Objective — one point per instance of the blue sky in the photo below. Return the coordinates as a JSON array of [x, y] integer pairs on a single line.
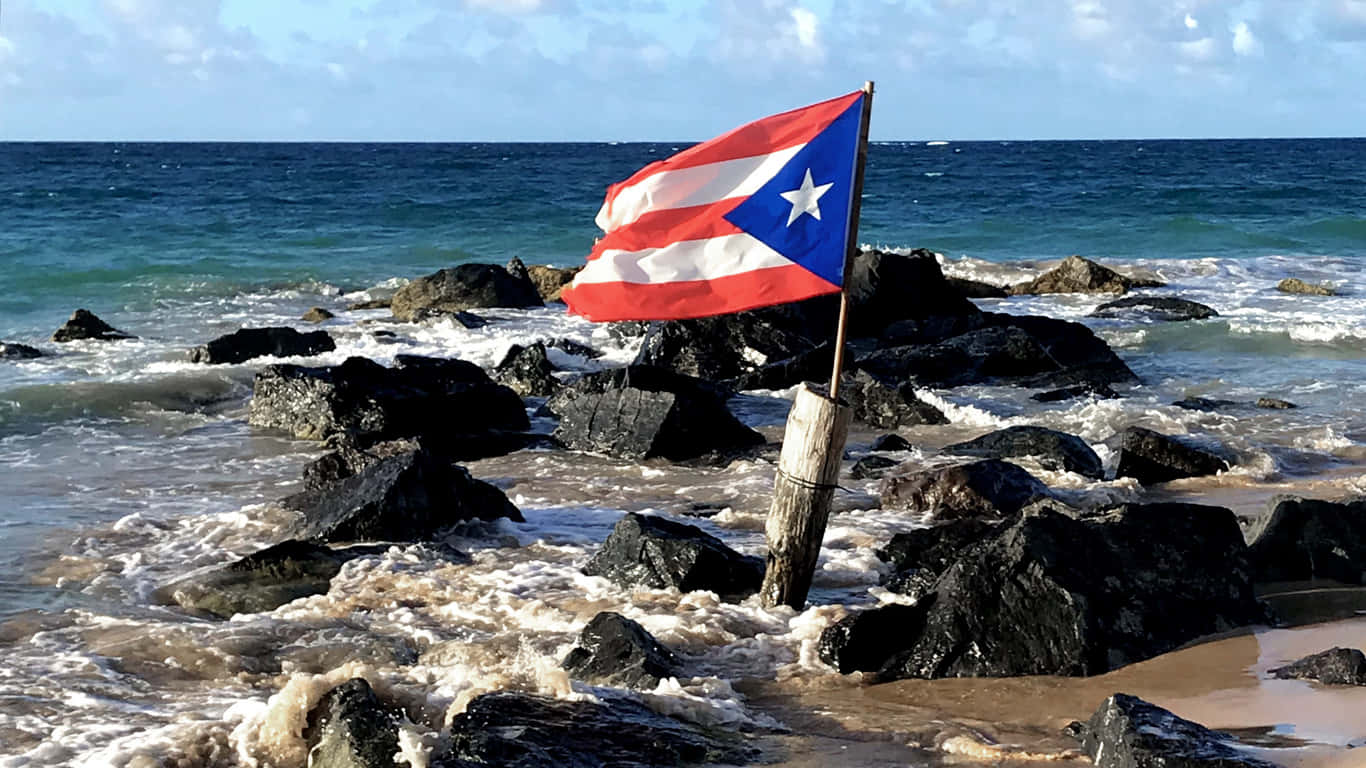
[[479, 70]]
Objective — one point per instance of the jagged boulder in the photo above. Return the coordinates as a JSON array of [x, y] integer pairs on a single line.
[[886, 406], [10, 350], [885, 288], [1296, 285], [1164, 308], [317, 315], [348, 459], [1152, 457], [659, 553], [410, 496], [83, 324], [1305, 539], [1079, 355], [970, 358], [981, 489], [362, 402], [468, 286], [864, 640], [1335, 666], [643, 412], [1128, 732], [527, 371], [1054, 450], [550, 280], [247, 343], [351, 728], [614, 650], [262, 581], [1078, 275], [730, 347], [919, 556]]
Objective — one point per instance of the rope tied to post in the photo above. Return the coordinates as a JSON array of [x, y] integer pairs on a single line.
[[811, 485]]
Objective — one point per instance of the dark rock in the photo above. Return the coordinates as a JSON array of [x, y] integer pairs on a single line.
[[1077, 275], [348, 460], [1296, 285], [467, 320], [891, 442], [85, 325], [885, 288], [550, 280], [728, 347], [10, 350], [1127, 732], [259, 582], [409, 496], [1054, 595], [614, 650], [1164, 308], [248, 343], [885, 406], [1304, 539], [351, 728], [571, 347], [518, 730], [317, 315], [369, 304], [1151, 457], [467, 286], [976, 289], [969, 358], [642, 412], [1055, 450], [987, 488], [660, 553], [814, 364], [1204, 404], [1335, 666], [527, 371], [1098, 390], [933, 549], [1274, 403], [1080, 356], [517, 269], [363, 402], [871, 466], [863, 641]]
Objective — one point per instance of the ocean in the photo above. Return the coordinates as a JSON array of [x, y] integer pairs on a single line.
[[125, 466]]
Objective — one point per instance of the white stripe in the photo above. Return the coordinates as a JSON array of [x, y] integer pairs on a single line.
[[698, 185], [687, 260]]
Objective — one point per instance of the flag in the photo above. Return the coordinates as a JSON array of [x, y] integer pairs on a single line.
[[754, 217]]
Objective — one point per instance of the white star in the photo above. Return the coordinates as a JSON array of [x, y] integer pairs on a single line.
[[804, 198]]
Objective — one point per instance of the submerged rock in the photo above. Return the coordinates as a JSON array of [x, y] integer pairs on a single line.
[[369, 304], [1335, 666], [317, 315], [1304, 539], [1128, 732], [1296, 285], [614, 650], [10, 350], [83, 324], [871, 466], [1151, 457], [1055, 450], [527, 371], [550, 280], [987, 488], [1165, 308], [350, 728], [410, 496], [1205, 404], [259, 582], [1097, 390], [891, 442], [1078, 275], [659, 553], [467, 286], [886, 406], [247, 343], [518, 730], [1274, 403]]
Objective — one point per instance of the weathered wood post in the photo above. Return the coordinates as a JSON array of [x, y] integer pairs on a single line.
[[813, 446]]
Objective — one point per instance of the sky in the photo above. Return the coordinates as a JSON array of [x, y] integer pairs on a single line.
[[668, 70]]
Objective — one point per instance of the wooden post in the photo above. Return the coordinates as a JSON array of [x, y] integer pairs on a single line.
[[813, 446]]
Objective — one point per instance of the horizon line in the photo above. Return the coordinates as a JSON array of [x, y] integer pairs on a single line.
[[656, 141]]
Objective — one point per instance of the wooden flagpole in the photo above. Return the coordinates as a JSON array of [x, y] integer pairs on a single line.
[[813, 444]]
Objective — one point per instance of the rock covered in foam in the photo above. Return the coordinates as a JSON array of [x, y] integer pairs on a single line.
[[1152, 457], [351, 728], [1055, 450], [982, 489], [467, 286], [248, 343], [652, 551], [1335, 666], [83, 324], [1303, 539], [1128, 732], [614, 650], [262, 581]]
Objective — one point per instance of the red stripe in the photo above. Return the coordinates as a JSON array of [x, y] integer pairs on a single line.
[[656, 229], [603, 302], [760, 137]]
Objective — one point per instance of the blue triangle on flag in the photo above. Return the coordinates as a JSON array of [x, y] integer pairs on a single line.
[[818, 244]]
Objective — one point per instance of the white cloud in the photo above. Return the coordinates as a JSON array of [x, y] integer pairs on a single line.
[[1245, 43], [507, 6], [337, 70], [1089, 20], [177, 38], [1191, 22], [808, 27], [1198, 50]]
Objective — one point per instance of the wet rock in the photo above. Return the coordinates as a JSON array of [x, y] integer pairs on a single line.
[[527, 371], [814, 364], [863, 641], [886, 288], [317, 315], [980, 489], [350, 728], [1335, 666], [1054, 595], [970, 358], [259, 582], [1080, 356], [1204, 404], [1127, 732], [464, 319], [468, 286], [976, 289], [249, 343], [1304, 539], [1274, 403], [891, 442], [549, 280], [871, 466], [362, 402], [410, 496], [10, 350], [1055, 450], [1164, 308], [1097, 390], [347, 460], [1151, 457], [1296, 285], [518, 730], [85, 325], [642, 412], [930, 551], [369, 304], [729, 347], [571, 347], [614, 650], [886, 406], [659, 553], [1076, 275]]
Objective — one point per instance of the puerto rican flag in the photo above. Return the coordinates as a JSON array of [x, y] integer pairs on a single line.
[[755, 217]]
